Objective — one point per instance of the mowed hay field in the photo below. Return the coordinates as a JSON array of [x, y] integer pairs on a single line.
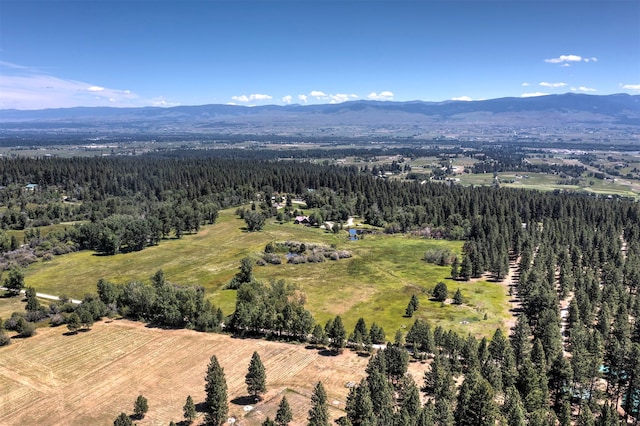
[[375, 284], [89, 378]]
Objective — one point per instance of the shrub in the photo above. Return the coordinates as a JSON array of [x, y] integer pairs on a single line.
[[272, 258], [297, 259], [439, 256], [56, 320], [344, 254], [4, 339], [315, 257], [25, 328]]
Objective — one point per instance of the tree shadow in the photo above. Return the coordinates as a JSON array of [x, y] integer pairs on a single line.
[[244, 400], [201, 407], [70, 333], [327, 352]]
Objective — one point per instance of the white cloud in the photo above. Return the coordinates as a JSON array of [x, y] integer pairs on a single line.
[[462, 98], [252, 97], [259, 97], [382, 96], [631, 86], [533, 94], [24, 87], [546, 84], [341, 97], [583, 89], [525, 84], [565, 59], [287, 99], [332, 98], [565, 65]]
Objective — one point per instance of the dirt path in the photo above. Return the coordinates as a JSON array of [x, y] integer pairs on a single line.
[[47, 296], [510, 284], [564, 322]]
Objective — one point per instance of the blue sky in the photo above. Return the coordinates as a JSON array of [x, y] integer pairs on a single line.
[[57, 53]]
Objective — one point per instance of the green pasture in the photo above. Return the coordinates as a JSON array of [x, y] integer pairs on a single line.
[[546, 182], [376, 283]]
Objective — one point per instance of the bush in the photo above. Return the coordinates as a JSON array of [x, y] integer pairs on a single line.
[[56, 320], [297, 259], [272, 258], [25, 328], [4, 339], [35, 316], [315, 257], [12, 323], [344, 254], [439, 256]]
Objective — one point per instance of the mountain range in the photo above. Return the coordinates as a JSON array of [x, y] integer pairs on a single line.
[[618, 112]]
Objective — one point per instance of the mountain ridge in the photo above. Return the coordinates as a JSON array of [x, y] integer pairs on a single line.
[[562, 110]]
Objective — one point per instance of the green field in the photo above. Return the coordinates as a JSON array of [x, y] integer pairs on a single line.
[[547, 182], [376, 283]]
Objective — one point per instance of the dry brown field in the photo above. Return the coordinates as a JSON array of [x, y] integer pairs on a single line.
[[90, 377]]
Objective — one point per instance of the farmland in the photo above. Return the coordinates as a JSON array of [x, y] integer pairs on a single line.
[[376, 283], [91, 377]]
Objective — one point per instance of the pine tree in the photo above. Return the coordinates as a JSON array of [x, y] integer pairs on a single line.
[[216, 390], [319, 412], [189, 410], [457, 298], [140, 407], [512, 408], [414, 302], [409, 311], [284, 414], [443, 413], [338, 335], [256, 378], [455, 268], [585, 418], [361, 410], [268, 422], [476, 406], [466, 268], [410, 398], [122, 420], [32, 301]]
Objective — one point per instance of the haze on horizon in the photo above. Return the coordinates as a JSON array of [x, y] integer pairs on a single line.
[[64, 53]]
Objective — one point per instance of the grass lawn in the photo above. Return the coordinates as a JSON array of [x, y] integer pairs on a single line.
[[376, 283]]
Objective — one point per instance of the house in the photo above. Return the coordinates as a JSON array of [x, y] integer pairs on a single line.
[[301, 219], [30, 187]]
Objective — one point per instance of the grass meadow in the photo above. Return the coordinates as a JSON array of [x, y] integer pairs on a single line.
[[376, 283]]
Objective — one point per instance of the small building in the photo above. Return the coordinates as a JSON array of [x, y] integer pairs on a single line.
[[301, 220], [30, 187]]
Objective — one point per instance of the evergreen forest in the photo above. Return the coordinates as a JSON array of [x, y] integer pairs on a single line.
[[579, 365]]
